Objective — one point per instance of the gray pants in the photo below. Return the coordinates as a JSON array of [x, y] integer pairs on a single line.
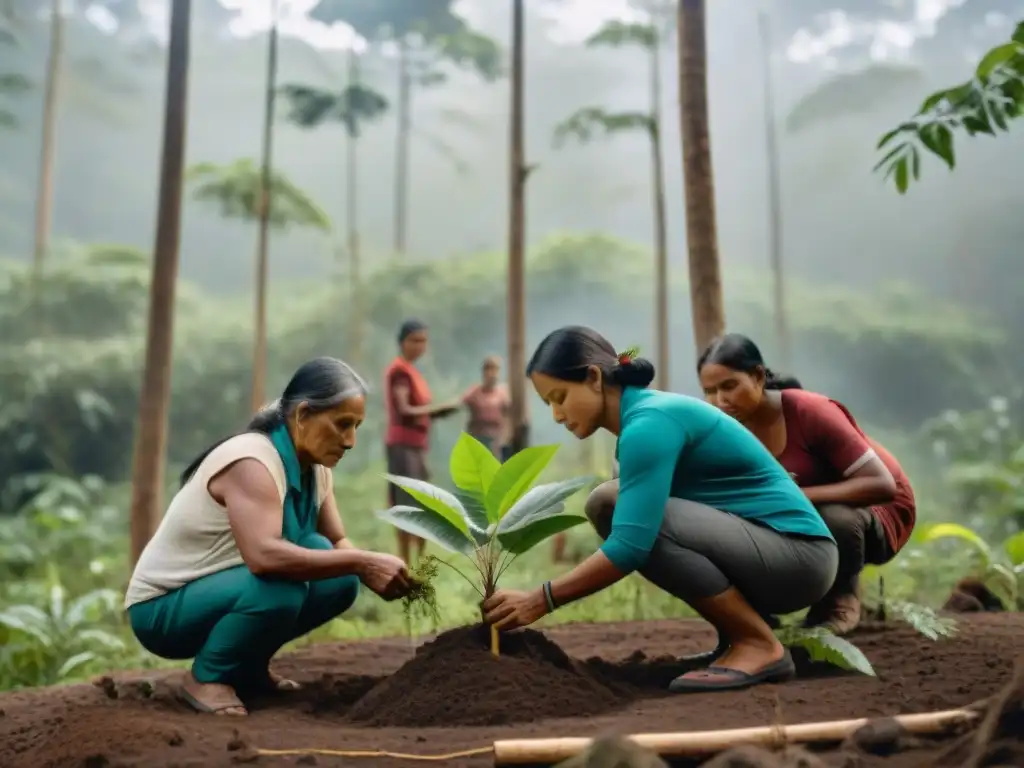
[[701, 552], [861, 539]]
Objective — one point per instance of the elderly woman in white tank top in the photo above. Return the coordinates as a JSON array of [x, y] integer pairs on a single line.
[[252, 552]]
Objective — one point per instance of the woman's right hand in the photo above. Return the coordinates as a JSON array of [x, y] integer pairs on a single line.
[[385, 575]]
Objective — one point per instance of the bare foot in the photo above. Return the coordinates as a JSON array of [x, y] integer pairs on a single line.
[[212, 698], [278, 683], [751, 657]]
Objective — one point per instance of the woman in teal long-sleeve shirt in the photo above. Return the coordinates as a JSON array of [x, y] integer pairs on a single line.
[[700, 508]]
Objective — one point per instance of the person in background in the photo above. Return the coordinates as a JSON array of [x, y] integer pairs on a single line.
[[858, 487], [252, 552], [488, 405], [410, 410], [700, 509]]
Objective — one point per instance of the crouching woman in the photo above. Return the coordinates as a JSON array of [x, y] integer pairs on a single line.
[[701, 509], [252, 553]]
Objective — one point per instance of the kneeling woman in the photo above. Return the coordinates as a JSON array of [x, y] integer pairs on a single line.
[[858, 487], [252, 552], [700, 508]]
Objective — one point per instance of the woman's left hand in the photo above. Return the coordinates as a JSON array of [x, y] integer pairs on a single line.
[[510, 609]]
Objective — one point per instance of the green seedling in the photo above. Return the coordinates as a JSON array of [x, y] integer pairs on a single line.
[[421, 601], [495, 514]]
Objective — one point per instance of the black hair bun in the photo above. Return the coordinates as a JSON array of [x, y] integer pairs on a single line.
[[638, 372]]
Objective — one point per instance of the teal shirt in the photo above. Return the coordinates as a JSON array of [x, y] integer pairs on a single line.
[[680, 447], [301, 515]]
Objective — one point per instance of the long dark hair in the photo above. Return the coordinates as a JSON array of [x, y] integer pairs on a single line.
[[569, 352], [740, 353], [320, 384]]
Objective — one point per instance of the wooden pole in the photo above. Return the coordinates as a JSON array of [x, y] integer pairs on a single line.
[[697, 743]]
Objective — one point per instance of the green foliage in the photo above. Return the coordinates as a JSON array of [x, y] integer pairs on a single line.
[[823, 646], [1000, 569], [588, 121], [985, 104], [422, 599], [354, 106], [495, 515], [618, 34], [922, 619], [237, 188]]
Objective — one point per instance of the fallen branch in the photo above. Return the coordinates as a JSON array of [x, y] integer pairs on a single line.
[[686, 744], [697, 743]]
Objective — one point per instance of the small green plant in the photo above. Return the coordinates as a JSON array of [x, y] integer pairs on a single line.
[[422, 599], [1000, 569], [495, 513], [822, 645]]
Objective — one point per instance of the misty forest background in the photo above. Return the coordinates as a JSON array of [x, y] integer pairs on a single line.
[[903, 307]]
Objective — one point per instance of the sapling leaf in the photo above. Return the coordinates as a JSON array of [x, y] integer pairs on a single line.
[[515, 477], [429, 525], [476, 516], [526, 537], [922, 619], [1014, 547], [955, 531], [472, 466], [431, 497], [539, 502], [822, 645]]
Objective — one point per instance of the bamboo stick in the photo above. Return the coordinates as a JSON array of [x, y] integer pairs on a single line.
[[697, 743], [494, 641]]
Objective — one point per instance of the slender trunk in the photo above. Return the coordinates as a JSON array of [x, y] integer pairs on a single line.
[[404, 110], [352, 202], [661, 283], [259, 346], [154, 398], [516, 242], [707, 305], [48, 145], [774, 200]]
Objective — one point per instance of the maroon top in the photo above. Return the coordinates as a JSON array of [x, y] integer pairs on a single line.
[[825, 445], [408, 431]]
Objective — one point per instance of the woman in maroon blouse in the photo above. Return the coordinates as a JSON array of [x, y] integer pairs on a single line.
[[858, 487]]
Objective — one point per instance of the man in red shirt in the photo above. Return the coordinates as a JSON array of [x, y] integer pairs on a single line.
[[858, 487]]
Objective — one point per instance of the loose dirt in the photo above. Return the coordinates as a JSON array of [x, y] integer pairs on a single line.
[[576, 680]]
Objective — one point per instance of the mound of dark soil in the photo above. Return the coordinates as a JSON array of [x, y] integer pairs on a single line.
[[454, 680], [970, 595]]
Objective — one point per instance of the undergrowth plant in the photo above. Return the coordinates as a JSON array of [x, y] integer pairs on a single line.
[[1000, 568], [824, 646], [495, 513]]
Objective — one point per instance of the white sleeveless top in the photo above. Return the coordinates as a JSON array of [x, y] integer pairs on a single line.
[[194, 538]]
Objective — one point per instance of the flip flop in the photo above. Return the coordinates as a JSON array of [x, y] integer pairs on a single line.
[[187, 698], [716, 678]]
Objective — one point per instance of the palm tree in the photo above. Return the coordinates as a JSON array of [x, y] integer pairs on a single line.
[[259, 352], [48, 145], [518, 172], [355, 106], [588, 121], [250, 192], [155, 395], [707, 305]]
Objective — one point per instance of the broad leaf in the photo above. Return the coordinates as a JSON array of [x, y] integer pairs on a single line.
[[515, 477], [822, 645], [526, 537], [923, 619], [431, 497], [472, 466], [476, 516], [540, 502], [996, 58], [429, 525], [955, 531], [72, 664], [1014, 547]]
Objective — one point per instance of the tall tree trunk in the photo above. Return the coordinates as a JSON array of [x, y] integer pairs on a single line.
[[356, 318], [661, 283], [154, 399], [259, 346], [404, 112], [774, 200], [698, 181], [48, 145], [517, 241]]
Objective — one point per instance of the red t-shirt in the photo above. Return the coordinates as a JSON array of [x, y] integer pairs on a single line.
[[487, 409], [825, 445], [409, 431]]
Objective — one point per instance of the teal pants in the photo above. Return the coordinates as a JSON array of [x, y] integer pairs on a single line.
[[232, 622]]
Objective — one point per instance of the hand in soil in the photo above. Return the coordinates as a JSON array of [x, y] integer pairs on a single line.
[[386, 575], [215, 698], [510, 609]]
